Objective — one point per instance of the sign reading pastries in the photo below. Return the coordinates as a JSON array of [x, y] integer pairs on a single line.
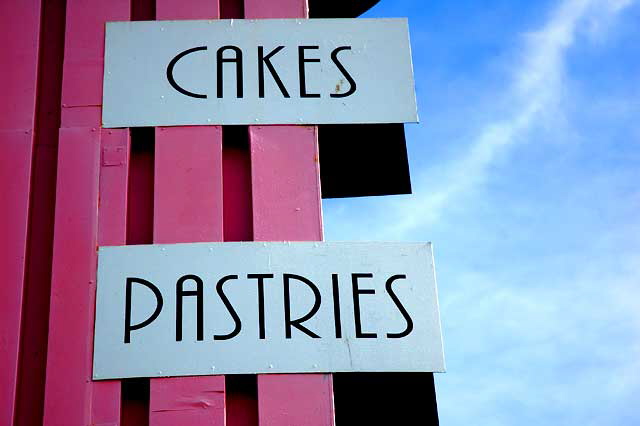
[[253, 307]]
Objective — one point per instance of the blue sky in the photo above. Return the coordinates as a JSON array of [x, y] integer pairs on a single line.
[[526, 177]]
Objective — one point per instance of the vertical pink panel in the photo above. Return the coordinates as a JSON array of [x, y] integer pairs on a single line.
[[265, 9], [295, 399], [84, 58], [114, 171], [187, 9], [188, 208], [35, 307], [287, 206], [286, 183], [71, 398], [15, 172], [188, 184], [20, 28], [68, 384], [37, 285], [193, 401], [112, 230]]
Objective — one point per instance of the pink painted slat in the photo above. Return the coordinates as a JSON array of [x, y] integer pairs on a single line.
[[295, 399], [114, 173], [112, 230], [15, 173], [286, 183], [35, 314], [188, 184], [187, 9], [265, 9], [19, 28], [84, 58], [70, 395], [37, 286], [68, 385], [188, 208], [193, 401], [287, 206]]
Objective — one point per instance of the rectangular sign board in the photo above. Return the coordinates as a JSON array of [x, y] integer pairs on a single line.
[[270, 71], [239, 308]]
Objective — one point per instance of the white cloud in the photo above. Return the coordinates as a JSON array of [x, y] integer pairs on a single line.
[[538, 347], [537, 86]]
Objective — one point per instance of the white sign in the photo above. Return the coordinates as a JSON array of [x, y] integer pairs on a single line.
[[227, 308], [273, 71]]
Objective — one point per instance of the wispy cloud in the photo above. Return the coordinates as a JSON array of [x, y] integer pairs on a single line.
[[536, 87], [539, 307]]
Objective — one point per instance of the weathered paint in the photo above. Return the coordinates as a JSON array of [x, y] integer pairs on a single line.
[[20, 27], [187, 401]]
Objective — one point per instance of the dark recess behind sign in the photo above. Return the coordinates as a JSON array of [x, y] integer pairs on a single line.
[[339, 8], [359, 160], [363, 159]]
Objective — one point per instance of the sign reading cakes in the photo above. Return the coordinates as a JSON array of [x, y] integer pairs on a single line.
[[238, 308], [272, 71]]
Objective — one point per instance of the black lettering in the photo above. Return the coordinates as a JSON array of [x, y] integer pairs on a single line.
[[229, 306], [128, 328], [180, 294], [297, 323], [400, 307], [301, 69], [336, 305], [260, 278], [356, 305], [237, 59], [352, 83], [173, 63], [266, 60]]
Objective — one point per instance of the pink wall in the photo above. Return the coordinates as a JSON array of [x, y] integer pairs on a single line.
[[73, 186], [90, 188]]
